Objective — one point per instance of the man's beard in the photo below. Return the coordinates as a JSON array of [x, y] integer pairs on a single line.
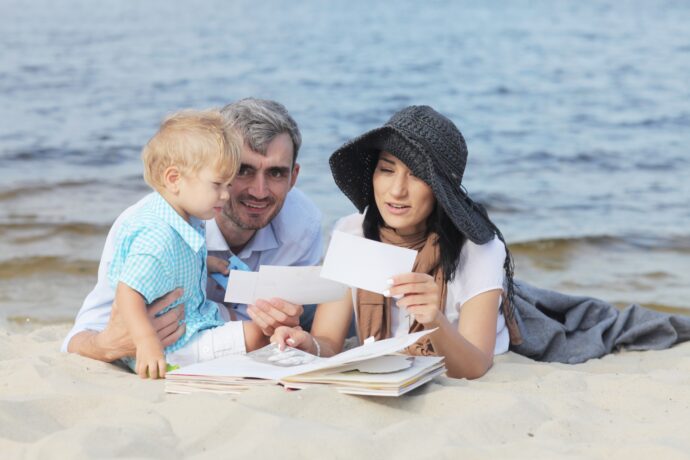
[[232, 212]]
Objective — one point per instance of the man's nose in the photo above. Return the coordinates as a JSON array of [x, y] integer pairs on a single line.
[[259, 188]]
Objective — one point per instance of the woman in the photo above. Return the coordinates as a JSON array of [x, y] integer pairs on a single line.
[[405, 177]]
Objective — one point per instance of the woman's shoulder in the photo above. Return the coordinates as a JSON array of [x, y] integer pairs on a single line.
[[480, 269], [351, 224], [481, 265], [492, 252]]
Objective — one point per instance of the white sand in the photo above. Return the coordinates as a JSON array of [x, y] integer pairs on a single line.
[[630, 405]]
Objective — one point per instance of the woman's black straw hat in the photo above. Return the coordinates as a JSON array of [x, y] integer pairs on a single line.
[[434, 150]]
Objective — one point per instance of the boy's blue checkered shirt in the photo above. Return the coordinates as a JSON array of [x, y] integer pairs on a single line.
[[157, 251]]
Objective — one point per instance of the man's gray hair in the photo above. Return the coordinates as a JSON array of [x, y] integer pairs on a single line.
[[259, 121]]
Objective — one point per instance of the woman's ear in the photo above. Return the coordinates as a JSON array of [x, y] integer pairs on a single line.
[[171, 179]]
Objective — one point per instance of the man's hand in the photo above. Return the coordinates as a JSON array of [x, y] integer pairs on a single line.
[[170, 326], [273, 313], [114, 342]]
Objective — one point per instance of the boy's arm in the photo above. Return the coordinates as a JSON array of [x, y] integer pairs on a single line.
[[150, 360], [133, 309], [114, 342]]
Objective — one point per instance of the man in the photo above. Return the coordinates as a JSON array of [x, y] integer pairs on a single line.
[[265, 222]]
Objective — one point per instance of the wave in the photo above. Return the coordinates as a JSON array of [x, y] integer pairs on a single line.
[[93, 156], [497, 202], [20, 192], [131, 182], [28, 266], [682, 120], [677, 243], [609, 160], [29, 232]]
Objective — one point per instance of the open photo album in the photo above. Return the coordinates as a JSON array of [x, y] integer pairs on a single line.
[[374, 368]]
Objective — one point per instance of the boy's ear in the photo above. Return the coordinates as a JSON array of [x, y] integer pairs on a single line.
[[171, 179]]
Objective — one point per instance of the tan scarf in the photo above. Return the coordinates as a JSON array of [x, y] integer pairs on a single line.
[[374, 310]]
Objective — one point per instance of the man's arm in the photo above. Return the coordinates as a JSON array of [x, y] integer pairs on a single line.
[[114, 342], [254, 337], [270, 314]]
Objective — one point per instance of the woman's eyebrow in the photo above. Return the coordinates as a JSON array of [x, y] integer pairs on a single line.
[[387, 160]]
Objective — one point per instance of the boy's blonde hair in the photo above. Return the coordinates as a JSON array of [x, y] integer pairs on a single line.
[[190, 140]]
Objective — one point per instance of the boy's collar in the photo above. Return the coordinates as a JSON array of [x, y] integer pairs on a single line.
[[191, 232]]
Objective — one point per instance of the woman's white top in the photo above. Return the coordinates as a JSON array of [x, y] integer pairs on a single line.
[[480, 269]]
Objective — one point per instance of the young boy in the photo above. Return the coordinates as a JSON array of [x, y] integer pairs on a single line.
[[189, 163]]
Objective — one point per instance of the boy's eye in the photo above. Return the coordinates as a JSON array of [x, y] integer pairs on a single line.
[[385, 170]]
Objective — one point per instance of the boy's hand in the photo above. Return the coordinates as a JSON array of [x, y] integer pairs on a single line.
[[150, 359], [217, 265]]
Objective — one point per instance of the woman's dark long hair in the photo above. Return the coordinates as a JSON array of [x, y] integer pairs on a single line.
[[508, 305]]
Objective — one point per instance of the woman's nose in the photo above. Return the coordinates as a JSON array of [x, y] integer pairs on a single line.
[[399, 186]]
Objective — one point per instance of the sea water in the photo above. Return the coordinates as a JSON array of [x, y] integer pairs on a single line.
[[576, 115]]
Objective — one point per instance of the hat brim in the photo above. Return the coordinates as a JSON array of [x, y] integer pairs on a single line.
[[352, 167]]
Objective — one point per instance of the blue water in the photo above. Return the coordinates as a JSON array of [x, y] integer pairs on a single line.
[[576, 115]]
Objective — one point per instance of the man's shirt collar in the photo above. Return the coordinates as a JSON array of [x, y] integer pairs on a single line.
[[263, 240]]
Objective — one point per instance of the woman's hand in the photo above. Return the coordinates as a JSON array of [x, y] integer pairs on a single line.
[[294, 337], [420, 297], [150, 359]]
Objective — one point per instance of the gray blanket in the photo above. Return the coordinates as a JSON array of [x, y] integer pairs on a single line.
[[570, 329]]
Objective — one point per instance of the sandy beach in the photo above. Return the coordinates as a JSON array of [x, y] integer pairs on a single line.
[[628, 405]]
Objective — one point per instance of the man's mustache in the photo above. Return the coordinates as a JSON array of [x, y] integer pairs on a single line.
[[267, 200]]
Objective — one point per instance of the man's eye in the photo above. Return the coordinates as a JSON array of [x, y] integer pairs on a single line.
[[385, 170], [276, 173], [244, 172]]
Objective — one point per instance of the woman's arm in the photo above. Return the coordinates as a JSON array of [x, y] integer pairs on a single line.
[[329, 329], [468, 349], [272, 313]]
